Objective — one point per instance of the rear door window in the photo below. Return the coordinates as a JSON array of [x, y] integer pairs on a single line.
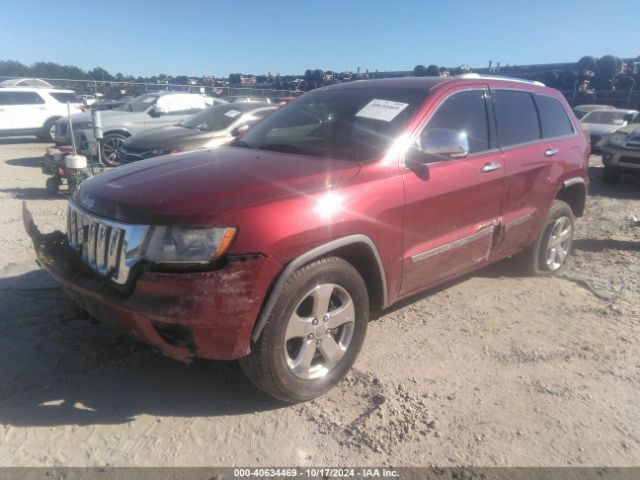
[[64, 97], [27, 98], [516, 117], [553, 117]]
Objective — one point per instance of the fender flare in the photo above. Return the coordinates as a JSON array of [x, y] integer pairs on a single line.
[[306, 258]]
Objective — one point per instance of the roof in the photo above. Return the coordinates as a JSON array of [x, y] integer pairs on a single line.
[[26, 82], [429, 83]]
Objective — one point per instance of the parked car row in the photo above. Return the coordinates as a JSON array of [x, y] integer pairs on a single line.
[[273, 249], [139, 114]]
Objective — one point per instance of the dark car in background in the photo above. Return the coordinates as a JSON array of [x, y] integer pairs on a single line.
[[210, 128]]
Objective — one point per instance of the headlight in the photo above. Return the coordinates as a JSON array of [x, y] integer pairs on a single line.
[[187, 245], [82, 125], [618, 139]]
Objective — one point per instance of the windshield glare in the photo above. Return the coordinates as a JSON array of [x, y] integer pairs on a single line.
[[214, 118], [346, 123], [140, 103]]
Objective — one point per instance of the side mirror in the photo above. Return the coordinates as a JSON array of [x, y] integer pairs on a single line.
[[443, 144], [240, 129], [157, 111]]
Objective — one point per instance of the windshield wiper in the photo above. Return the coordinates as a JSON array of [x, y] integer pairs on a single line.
[[280, 147]]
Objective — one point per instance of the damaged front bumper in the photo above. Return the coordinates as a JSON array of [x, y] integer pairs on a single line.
[[208, 314]]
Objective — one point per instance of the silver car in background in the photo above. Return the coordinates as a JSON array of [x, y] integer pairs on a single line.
[[601, 123], [147, 111]]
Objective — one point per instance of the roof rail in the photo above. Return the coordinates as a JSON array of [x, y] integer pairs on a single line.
[[500, 77]]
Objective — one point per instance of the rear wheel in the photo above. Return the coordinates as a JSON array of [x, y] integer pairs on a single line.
[[611, 175], [313, 334], [110, 145], [548, 254]]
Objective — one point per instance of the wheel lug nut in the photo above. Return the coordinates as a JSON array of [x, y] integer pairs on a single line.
[[325, 319], [314, 322], [310, 337]]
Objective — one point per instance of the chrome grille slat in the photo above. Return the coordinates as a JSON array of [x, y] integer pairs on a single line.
[[101, 248], [113, 249], [110, 248]]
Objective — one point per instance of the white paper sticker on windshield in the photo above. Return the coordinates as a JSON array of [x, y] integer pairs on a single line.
[[149, 99], [232, 113], [383, 110]]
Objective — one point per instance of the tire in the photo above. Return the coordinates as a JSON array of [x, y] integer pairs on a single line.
[[295, 358], [48, 133], [611, 175], [538, 258], [110, 146], [53, 185]]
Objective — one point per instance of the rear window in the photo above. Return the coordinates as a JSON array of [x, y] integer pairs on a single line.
[[64, 97], [27, 98], [553, 117], [516, 117]]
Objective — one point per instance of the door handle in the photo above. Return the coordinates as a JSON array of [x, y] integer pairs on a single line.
[[550, 152], [490, 167]]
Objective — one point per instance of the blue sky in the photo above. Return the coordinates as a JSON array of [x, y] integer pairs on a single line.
[[199, 37]]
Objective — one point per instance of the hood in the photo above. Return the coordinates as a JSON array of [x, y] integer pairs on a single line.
[[167, 137], [106, 116], [198, 188], [630, 128]]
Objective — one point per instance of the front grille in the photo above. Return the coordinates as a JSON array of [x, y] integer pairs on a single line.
[[631, 160], [109, 248]]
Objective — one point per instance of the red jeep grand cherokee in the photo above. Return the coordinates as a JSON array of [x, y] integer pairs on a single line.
[[273, 250]]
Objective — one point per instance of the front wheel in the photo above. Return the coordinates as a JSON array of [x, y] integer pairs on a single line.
[[48, 132], [548, 254], [313, 334], [110, 145]]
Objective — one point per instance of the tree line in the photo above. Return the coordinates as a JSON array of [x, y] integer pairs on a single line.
[[12, 68]]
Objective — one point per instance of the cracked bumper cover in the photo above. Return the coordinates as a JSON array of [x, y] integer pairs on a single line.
[[219, 307]]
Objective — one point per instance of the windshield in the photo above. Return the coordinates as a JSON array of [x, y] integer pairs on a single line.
[[141, 103], [214, 118], [605, 117], [346, 123]]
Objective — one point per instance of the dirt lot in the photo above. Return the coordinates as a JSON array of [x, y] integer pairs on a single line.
[[493, 369]]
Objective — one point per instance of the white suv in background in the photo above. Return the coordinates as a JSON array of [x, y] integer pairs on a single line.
[[34, 111]]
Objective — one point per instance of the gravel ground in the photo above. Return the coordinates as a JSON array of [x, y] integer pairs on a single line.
[[492, 369]]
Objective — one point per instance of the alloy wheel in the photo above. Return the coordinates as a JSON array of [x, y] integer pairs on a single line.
[[319, 331], [559, 243], [110, 148]]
